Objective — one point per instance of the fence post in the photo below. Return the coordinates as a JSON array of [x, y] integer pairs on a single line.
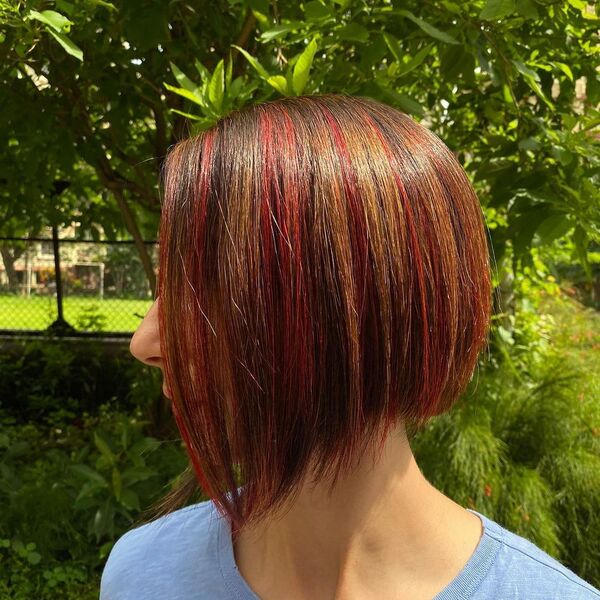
[[60, 325], [28, 261], [57, 273]]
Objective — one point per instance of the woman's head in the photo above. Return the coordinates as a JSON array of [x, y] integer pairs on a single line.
[[324, 276]]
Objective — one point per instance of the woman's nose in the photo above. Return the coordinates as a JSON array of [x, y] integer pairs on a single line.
[[145, 343]]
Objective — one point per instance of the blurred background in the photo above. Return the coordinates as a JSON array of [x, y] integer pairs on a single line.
[[92, 95]]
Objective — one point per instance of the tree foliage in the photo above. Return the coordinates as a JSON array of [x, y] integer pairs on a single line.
[[104, 88]]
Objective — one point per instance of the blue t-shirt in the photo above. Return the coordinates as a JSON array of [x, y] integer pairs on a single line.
[[188, 555]]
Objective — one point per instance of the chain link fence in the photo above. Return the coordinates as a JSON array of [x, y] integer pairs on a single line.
[[102, 287]]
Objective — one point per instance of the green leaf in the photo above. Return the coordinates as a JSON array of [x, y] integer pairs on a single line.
[[103, 3], [143, 446], [130, 500], [67, 44], [407, 104], [89, 474], [103, 519], [104, 448], [314, 11], [429, 29], [353, 32], [529, 143], [117, 483], [202, 70], [279, 83], [261, 17], [457, 62], [527, 9], [182, 79], [302, 67], [532, 79], [404, 102], [105, 549], [185, 93], [394, 46], [562, 155], [271, 34], [236, 87], [534, 85], [525, 70], [88, 489], [228, 73], [279, 31], [186, 115], [255, 64], [202, 125], [55, 20], [497, 9], [553, 228], [415, 61], [565, 69], [216, 87], [134, 474]]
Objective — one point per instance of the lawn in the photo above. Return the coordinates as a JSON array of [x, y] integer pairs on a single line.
[[84, 313]]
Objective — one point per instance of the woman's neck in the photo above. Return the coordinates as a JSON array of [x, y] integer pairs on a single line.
[[384, 532]]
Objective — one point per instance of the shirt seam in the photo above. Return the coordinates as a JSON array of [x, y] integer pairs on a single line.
[[566, 575], [231, 589], [196, 506], [489, 568], [498, 532]]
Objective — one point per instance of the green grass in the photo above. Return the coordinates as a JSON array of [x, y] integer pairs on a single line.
[[83, 313]]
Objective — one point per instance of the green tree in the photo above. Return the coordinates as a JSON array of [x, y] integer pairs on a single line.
[[81, 91], [511, 87]]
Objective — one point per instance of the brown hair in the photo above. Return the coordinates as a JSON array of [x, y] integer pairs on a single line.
[[324, 274]]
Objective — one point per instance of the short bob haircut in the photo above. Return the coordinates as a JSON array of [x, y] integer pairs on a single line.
[[324, 275]]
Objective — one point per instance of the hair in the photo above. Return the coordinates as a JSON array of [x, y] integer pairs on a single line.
[[324, 276]]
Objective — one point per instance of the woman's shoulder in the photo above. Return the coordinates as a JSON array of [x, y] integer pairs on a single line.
[[167, 526], [177, 548], [521, 569]]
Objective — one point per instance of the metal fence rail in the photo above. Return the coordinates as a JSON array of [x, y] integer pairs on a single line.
[[72, 286]]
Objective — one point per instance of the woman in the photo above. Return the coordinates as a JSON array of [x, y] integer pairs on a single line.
[[324, 289]]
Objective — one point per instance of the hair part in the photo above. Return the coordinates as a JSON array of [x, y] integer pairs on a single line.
[[324, 276]]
